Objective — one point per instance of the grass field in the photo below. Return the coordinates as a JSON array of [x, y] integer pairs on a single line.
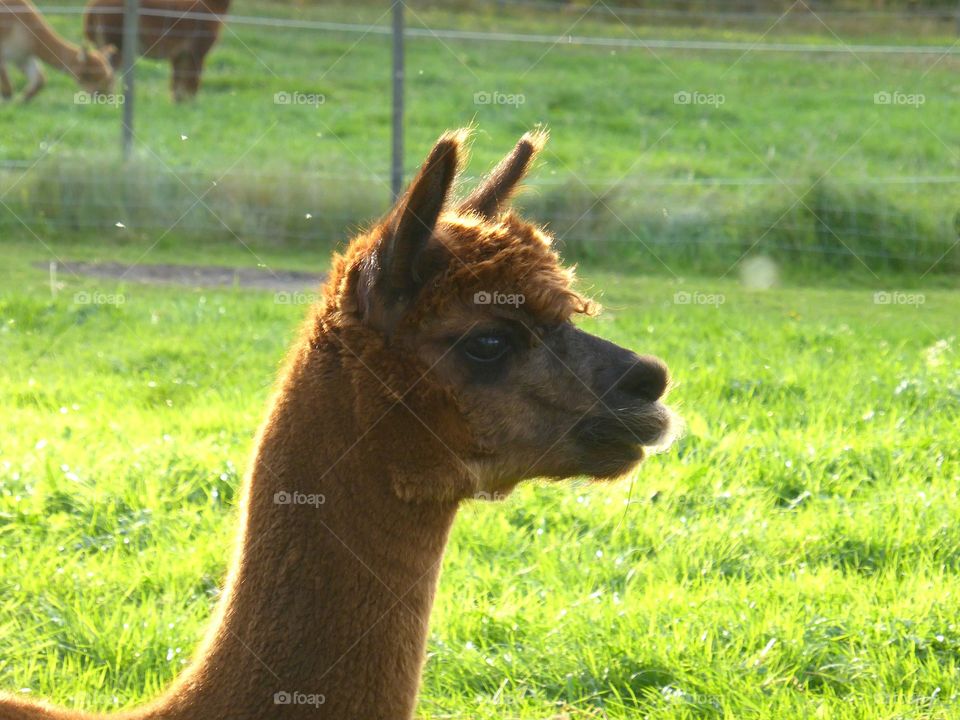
[[798, 152], [795, 555]]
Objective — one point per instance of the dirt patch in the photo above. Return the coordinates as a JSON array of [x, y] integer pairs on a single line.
[[194, 275]]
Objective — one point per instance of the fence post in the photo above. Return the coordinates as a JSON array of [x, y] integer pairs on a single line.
[[396, 170], [130, 32]]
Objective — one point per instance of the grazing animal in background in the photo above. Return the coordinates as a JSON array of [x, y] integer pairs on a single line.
[[165, 35], [27, 38], [440, 364]]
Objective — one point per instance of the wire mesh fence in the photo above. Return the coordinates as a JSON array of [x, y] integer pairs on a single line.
[[676, 143]]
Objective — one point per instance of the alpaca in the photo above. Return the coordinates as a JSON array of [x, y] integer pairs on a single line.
[[185, 41], [439, 364], [25, 37]]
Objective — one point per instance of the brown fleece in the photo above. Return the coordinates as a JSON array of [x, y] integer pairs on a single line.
[[327, 601], [184, 40]]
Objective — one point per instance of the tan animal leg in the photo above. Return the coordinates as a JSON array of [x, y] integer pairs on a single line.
[[35, 78], [6, 89]]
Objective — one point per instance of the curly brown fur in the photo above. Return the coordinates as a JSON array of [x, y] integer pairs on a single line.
[[410, 390]]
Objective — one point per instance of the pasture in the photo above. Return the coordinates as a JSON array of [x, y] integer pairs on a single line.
[[798, 152], [795, 555]]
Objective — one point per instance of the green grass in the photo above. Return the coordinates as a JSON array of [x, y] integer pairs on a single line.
[[796, 554], [808, 120]]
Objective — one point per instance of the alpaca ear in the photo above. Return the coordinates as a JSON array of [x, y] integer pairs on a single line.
[[412, 221], [389, 278], [108, 52], [490, 196]]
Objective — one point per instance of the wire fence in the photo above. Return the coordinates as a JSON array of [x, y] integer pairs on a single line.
[[852, 47], [238, 163], [739, 12]]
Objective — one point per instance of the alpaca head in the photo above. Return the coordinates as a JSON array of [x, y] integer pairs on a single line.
[[459, 316], [93, 70]]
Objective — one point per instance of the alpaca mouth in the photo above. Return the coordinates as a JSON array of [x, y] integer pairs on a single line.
[[649, 425], [612, 443]]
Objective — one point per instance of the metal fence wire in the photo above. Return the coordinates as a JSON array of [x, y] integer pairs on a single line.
[[83, 178]]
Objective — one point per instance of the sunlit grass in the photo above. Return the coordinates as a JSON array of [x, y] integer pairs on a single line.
[[796, 554]]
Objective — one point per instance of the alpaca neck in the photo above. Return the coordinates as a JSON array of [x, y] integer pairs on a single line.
[[326, 600], [49, 46]]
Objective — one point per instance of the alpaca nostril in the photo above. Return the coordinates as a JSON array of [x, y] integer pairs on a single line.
[[647, 378]]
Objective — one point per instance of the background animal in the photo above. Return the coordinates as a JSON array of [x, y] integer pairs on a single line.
[[424, 395], [27, 38], [184, 41]]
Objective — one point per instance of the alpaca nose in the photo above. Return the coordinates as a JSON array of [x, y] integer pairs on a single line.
[[647, 378]]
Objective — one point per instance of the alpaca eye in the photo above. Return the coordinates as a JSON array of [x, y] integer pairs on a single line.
[[486, 348]]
